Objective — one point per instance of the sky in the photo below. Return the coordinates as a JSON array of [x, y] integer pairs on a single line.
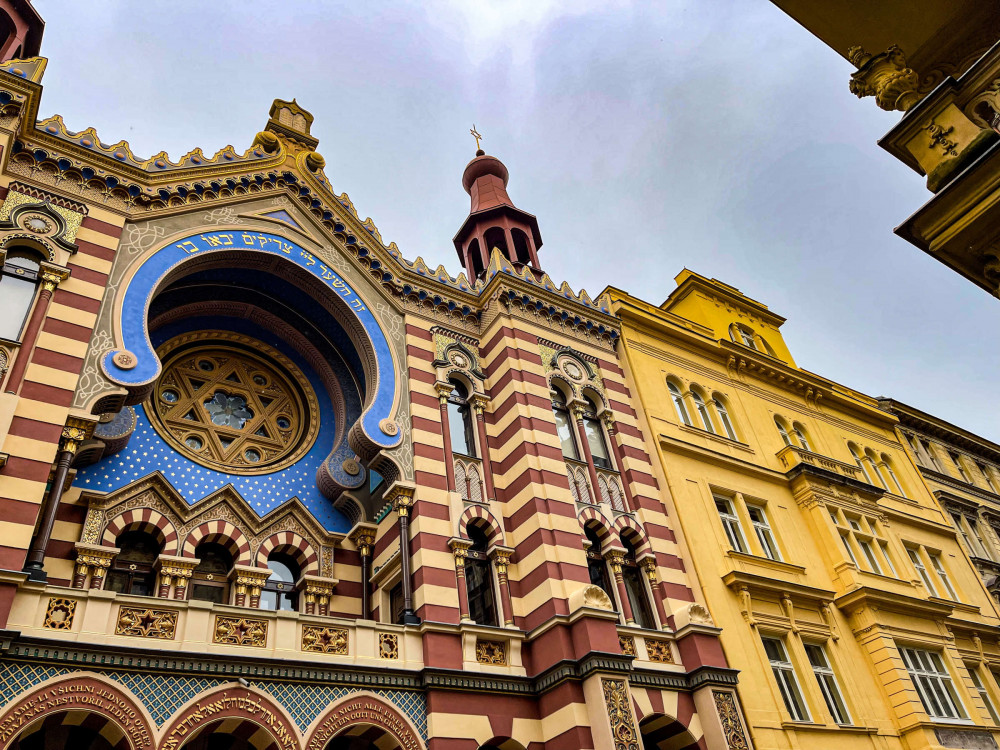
[[646, 137]]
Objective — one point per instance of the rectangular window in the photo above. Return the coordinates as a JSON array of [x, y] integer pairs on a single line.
[[956, 459], [960, 527], [931, 457], [921, 570], [730, 523], [989, 479], [827, 683], [847, 546], [869, 552], [884, 546], [939, 569], [764, 535], [933, 683], [784, 675], [983, 693]]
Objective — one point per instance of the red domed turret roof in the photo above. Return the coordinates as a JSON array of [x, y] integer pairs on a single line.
[[485, 180]]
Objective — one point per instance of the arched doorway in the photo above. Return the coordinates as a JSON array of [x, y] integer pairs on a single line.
[[363, 721], [231, 718], [228, 734], [662, 732], [71, 730], [364, 737]]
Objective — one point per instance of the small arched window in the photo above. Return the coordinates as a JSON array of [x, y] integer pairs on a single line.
[[595, 436], [800, 434], [742, 335], [678, 399], [887, 463], [596, 566], [564, 424], [479, 579], [495, 237], [279, 591], [476, 256], [460, 421], [723, 414], [876, 470], [699, 404], [132, 569], [18, 280], [782, 430], [635, 587], [210, 579], [522, 255], [856, 452]]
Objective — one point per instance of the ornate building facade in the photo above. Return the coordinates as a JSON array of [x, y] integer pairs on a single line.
[[939, 64], [266, 483], [848, 605]]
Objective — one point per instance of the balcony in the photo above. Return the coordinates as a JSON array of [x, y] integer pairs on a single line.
[[951, 136]]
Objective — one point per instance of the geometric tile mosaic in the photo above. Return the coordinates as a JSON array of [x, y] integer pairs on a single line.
[[162, 694]]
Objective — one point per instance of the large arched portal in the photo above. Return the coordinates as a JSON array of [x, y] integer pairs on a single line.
[[71, 730], [246, 355], [662, 732], [363, 721]]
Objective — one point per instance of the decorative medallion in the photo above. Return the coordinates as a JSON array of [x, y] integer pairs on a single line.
[[237, 406], [388, 646], [323, 640], [37, 224], [240, 631], [572, 369], [459, 360], [125, 360], [389, 427], [491, 652], [147, 623], [619, 704], [59, 614], [729, 715], [627, 644], [351, 467], [659, 650]]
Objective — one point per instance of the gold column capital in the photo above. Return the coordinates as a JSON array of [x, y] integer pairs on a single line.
[[400, 494], [884, 76]]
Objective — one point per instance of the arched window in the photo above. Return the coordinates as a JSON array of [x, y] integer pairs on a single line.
[[800, 434], [495, 237], [742, 335], [782, 430], [476, 256], [18, 279], [873, 462], [279, 591], [210, 579], [675, 394], [595, 436], [132, 569], [521, 252], [887, 462], [723, 414], [636, 588], [699, 404], [564, 424], [857, 459], [596, 565], [460, 421], [479, 579]]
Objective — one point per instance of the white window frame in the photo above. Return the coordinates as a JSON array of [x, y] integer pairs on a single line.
[[933, 683], [892, 475], [985, 471], [980, 687], [731, 524], [861, 464], [935, 558], [788, 682], [956, 459], [702, 408], [678, 398], [765, 535], [723, 413], [925, 576], [828, 685], [801, 435], [783, 432]]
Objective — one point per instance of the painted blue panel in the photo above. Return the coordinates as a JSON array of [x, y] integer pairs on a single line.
[[153, 269], [282, 215]]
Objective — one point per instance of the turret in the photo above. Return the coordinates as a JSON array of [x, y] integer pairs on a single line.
[[494, 221], [20, 30]]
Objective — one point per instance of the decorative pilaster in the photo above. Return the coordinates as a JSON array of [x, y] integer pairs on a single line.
[[92, 562], [648, 564], [174, 571], [363, 537], [50, 276], [460, 548], [616, 558], [400, 494], [501, 561], [616, 449], [73, 434], [444, 390], [478, 406], [249, 581]]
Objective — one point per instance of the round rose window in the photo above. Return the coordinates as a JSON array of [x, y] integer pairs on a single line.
[[232, 403]]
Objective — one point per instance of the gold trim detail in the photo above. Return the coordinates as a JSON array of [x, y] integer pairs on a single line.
[[232, 403], [491, 652], [725, 704], [323, 640], [388, 646], [627, 645], [618, 703], [59, 614], [240, 631], [659, 650], [147, 623]]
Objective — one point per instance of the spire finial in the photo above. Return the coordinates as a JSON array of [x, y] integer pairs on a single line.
[[478, 137]]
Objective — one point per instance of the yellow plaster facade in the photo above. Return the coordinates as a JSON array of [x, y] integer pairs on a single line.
[[846, 603]]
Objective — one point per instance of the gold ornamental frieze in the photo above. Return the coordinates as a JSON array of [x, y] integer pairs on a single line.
[[147, 623], [240, 631]]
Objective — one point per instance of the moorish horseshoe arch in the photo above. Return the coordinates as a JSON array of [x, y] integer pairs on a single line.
[[358, 710], [134, 364]]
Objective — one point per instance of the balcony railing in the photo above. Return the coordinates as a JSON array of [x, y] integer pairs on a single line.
[[791, 456]]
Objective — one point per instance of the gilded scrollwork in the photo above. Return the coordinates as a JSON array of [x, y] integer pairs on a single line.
[[619, 706], [729, 715], [323, 640], [491, 652], [388, 646], [659, 651], [59, 614], [147, 623], [240, 631]]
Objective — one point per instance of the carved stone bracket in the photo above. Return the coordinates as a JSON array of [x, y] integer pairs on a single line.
[[886, 77]]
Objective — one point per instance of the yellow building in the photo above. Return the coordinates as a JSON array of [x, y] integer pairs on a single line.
[[854, 616], [938, 63]]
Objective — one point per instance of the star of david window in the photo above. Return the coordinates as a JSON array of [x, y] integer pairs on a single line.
[[232, 404]]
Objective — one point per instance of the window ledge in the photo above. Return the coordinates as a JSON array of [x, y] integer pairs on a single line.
[[767, 562], [715, 436], [955, 604], [815, 726]]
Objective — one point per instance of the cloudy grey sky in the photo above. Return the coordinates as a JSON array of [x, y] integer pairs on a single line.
[[646, 137]]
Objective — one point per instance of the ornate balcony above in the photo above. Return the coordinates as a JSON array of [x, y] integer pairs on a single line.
[[797, 462], [953, 137]]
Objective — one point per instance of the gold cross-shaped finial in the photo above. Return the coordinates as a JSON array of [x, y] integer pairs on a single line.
[[476, 135]]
